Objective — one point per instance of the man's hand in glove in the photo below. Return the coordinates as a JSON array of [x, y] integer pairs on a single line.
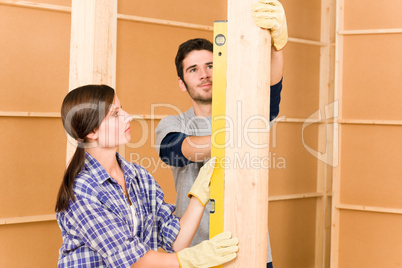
[[269, 14]]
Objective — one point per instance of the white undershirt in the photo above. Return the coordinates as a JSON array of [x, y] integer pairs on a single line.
[[135, 220]]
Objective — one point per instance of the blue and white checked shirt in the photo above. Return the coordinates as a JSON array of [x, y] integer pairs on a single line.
[[98, 227]]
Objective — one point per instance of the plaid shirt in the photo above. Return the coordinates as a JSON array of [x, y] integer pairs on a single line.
[[98, 227]]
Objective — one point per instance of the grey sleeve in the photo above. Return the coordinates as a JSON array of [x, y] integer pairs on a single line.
[[167, 125]]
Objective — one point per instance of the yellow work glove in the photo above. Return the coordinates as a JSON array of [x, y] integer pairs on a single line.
[[209, 253], [269, 14], [200, 188]]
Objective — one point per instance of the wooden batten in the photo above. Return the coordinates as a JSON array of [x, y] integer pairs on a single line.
[[28, 219], [246, 189], [93, 46], [370, 31], [336, 174], [325, 137], [93, 43]]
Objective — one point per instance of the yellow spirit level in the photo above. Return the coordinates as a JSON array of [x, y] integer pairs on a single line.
[[218, 127]]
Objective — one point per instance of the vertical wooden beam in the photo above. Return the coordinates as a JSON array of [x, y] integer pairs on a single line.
[[336, 184], [247, 107], [93, 42], [93, 46], [325, 136]]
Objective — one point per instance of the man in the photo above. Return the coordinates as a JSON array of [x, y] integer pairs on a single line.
[[184, 141]]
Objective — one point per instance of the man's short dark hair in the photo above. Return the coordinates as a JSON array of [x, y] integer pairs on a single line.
[[186, 48]]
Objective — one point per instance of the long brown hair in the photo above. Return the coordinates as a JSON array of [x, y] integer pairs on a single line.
[[82, 112]]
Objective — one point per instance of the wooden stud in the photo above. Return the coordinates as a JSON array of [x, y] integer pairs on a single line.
[[325, 138], [93, 42], [336, 172], [246, 188], [93, 46]]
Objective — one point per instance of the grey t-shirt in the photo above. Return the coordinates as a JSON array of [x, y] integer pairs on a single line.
[[184, 177]]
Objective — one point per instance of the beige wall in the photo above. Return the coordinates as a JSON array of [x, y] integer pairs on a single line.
[[34, 71], [367, 202], [34, 67]]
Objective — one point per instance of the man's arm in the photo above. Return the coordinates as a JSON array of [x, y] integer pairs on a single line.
[[197, 148], [178, 149], [277, 63]]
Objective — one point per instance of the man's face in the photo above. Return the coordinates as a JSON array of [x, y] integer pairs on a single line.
[[197, 74]]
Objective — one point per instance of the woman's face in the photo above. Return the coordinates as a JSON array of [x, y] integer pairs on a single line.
[[115, 128]]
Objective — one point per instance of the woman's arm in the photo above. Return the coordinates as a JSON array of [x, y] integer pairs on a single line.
[[189, 224], [155, 259], [199, 194]]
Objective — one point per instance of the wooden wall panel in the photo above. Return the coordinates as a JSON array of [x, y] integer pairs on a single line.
[[146, 73], [370, 240], [198, 12], [293, 170], [32, 162], [371, 166], [292, 232], [363, 14], [372, 84], [300, 95], [303, 18], [34, 59], [29, 245], [366, 201]]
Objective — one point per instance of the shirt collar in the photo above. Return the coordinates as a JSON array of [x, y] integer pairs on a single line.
[[99, 172]]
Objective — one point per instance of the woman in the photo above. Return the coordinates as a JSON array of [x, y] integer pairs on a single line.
[[111, 212]]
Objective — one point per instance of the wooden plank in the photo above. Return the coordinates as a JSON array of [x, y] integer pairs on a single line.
[[370, 122], [325, 137], [294, 196], [93, 43], [27, 219], [28, 114], [370, 31], [307, 42], [93, 46], [246, 188], [34, 5], [336, 172], [165, 22], [370, 209]]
